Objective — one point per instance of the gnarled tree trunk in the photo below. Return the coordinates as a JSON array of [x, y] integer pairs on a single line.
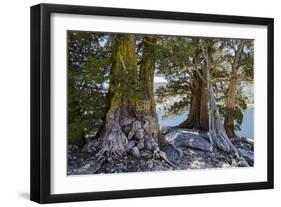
[[232, 91], [217, 134], [198, 114], [193, 119], [132, 107], [204, 116], [145, 108], [121, 96]]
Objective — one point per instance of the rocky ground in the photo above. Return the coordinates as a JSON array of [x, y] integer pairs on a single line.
[[185, 149]]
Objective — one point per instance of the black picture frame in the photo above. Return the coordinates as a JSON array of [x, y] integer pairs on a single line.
[[41, 99]]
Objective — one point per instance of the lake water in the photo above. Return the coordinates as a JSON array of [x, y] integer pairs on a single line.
[[247, 126]]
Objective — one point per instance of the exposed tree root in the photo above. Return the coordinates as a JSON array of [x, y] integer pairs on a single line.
[[117, 144], [114, 144], [163, 155], [217, 134], [114, 139]]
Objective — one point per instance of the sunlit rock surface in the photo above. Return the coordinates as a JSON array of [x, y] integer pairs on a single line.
[[186, 149]]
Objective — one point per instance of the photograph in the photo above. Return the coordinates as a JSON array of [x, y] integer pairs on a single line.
[[149, 102], [140, 103], [129, 103]]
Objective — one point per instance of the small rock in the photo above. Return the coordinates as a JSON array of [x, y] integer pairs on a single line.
[[135, 152], [86, 166], [150, 164]]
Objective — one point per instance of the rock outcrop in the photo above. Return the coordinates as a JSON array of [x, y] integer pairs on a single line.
[[184, 149]]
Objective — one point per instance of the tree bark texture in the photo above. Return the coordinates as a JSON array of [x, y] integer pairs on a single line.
[[198, 114], [124, 64], [217, 134], [146, 108], [232, 91], [131, 111]]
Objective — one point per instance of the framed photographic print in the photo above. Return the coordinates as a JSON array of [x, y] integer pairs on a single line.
[[132, 103]]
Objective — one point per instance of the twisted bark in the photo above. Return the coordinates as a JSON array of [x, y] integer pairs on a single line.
[[122, 104], [145, 105], [232, 91], [217, 134], [198, 113], [132, 114]]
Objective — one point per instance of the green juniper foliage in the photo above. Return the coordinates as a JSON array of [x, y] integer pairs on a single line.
[[179, 60], [88, 71]]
